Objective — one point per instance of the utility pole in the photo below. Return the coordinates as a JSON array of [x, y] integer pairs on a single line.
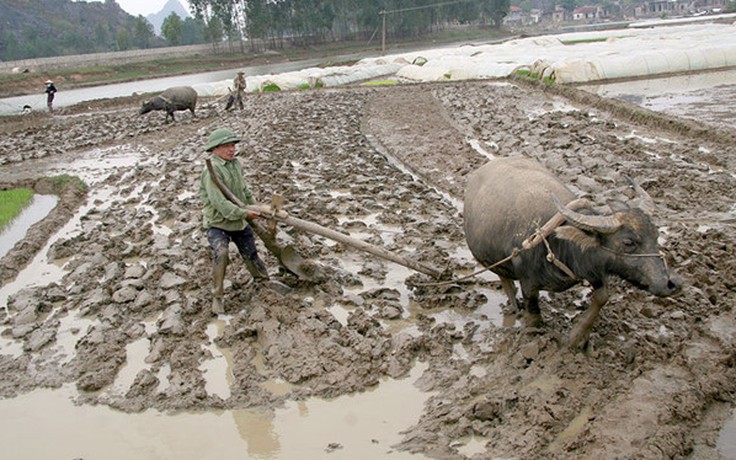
[[383, 31]]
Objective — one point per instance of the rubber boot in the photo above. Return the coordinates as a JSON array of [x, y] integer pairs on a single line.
[[218, 277], [257, 269]]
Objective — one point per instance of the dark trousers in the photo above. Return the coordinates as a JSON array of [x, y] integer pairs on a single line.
[[220, 240], [231, 100]]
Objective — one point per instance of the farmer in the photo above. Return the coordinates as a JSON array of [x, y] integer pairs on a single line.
[[238, 90], [223, 220], [50, 92]]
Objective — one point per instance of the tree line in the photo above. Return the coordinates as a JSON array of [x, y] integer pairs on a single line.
[[274, 23], [39, 28]]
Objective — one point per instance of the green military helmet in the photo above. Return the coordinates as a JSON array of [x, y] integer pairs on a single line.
[[221, 136]]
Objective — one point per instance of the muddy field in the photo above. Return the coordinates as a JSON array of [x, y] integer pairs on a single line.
[[387, 165]]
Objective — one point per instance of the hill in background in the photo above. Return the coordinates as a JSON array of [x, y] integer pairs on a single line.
[[42, 28], [172, 6]]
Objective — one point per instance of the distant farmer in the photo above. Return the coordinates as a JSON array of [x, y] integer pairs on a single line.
[[238, 90], [223, 220], [50, 92]]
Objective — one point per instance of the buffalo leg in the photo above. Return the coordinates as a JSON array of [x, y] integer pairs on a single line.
[[584, 323], [510, 290], [531, 305]]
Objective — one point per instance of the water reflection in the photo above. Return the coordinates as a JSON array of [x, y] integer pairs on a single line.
[[38, 208], [257, 430], [360, 427], [726, 444]]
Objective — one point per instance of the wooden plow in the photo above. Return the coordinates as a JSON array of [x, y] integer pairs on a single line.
[[288, 256]]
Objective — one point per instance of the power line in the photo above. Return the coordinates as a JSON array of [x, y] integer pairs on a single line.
[[401, 10]]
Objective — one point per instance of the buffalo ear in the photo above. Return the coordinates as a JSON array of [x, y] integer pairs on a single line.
[[585, 240]]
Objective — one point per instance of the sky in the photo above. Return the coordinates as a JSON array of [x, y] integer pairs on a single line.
[[146, 7]]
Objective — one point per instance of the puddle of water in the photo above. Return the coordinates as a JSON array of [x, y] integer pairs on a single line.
[[217, 369], [41, 272], [135, 355], [163, 378], [726, 444], [92, 166], [340, 313], [555, 105], [37, 209], [184, 196], [10, 347], [395, 277], [277, 387], [364, 426], [471, 445], [706, 97], [71, 329], [658, 87], [478, 147]]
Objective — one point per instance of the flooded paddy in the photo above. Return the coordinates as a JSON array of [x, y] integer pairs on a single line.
[[109, 324]]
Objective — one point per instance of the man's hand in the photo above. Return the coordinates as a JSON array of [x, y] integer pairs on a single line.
[[253, 214]]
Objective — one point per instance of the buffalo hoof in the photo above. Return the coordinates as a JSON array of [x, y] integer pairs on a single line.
[[579, 336], [218, 306], [532, 320]]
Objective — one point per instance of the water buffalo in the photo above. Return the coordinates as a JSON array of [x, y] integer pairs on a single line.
[[171, 100], [509, 199]]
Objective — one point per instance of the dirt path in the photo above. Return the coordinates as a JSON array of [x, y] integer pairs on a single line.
[[656, 382]]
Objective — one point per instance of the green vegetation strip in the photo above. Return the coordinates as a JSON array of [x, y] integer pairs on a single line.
[[13, 203], [380, 83], [63, 181]]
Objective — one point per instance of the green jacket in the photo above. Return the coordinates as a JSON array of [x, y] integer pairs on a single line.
[[218, 210]]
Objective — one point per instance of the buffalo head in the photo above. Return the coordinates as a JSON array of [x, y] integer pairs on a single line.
[[627, 244]]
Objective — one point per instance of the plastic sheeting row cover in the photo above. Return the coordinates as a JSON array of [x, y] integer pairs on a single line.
[[568, 58], [330, 76], [587, 56]]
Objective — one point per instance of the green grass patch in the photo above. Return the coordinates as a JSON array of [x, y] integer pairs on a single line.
[[319, 84], [60, 183], [380, 83], [534, 76], [271, 87], [14, 201]]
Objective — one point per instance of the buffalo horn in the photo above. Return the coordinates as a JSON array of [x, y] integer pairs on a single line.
[[601, 224], [644, 201]]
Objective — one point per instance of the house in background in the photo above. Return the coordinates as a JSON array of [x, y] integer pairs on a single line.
[[615, 11]]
